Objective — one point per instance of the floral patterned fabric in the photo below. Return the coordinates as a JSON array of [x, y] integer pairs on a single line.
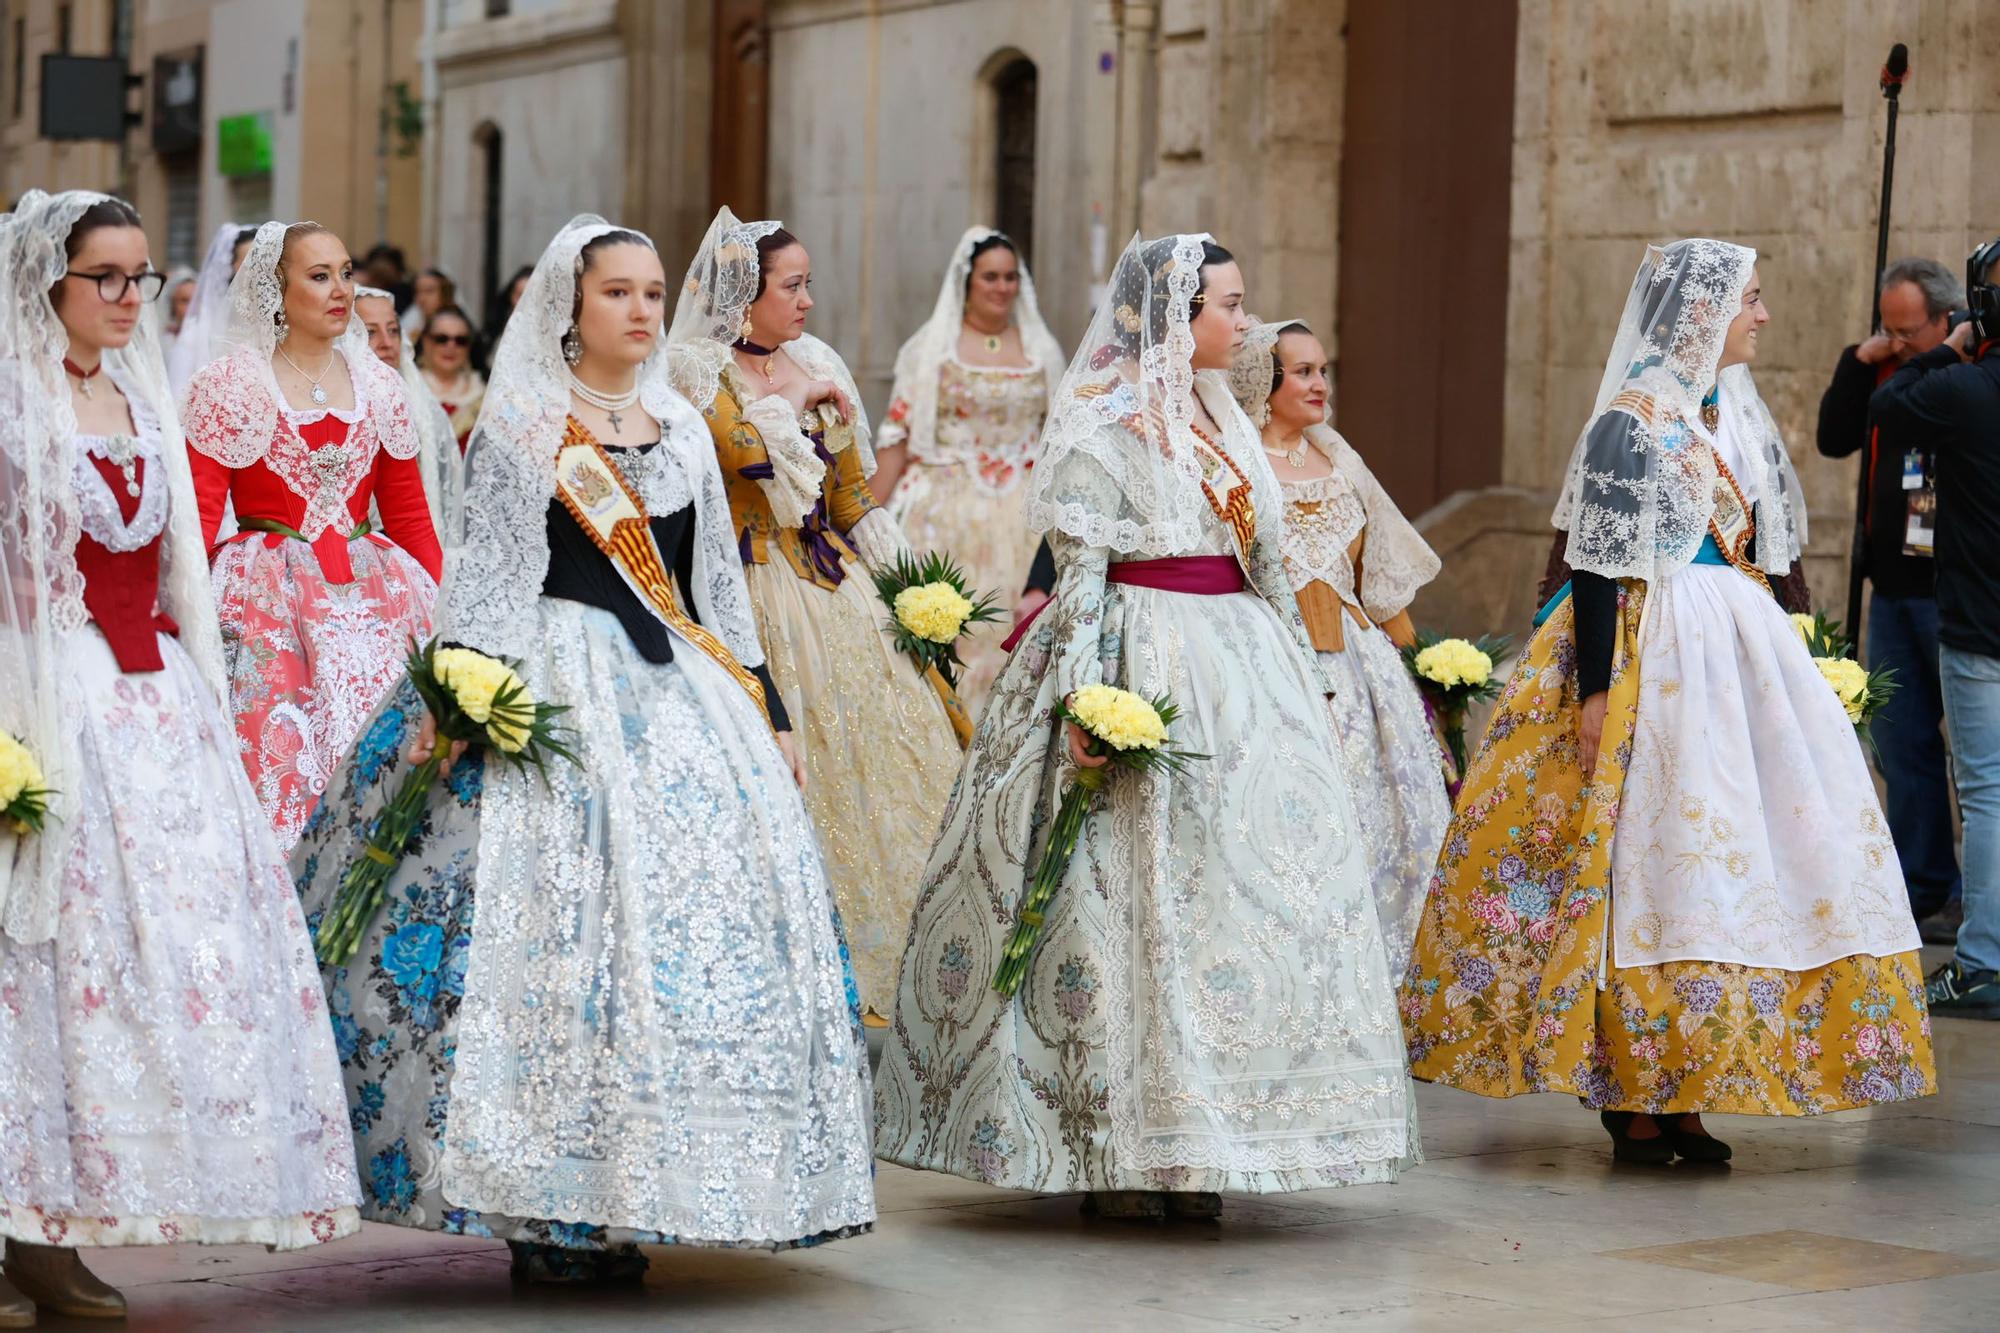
[[309, 659], [961, 493], [678, 1054], [1510, 989], [166, 1072], [1209, 1006]]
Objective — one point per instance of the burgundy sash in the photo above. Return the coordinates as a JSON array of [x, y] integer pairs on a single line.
[[1202, 575]]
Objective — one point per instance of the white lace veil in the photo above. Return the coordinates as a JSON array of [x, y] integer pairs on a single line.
[[496, 564], [41, 589], [1396, 561], [437, 446], [721, 287], [200, 338], [234, 415], [917, 364], [1640, 488], [1118, 465]]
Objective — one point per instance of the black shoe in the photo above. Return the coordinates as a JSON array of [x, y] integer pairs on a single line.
[[1643, 1152], [1694, 1147], [1941, 926], [1954, 992]]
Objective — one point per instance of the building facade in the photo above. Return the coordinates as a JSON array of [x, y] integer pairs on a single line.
[[244, 110], [1453, 194]]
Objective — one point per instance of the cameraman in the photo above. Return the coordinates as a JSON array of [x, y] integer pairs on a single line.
[[1917, 298], [1948, 403]]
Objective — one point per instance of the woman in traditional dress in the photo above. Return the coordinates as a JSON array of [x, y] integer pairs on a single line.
[[166, 1072], [441, 460], [645, 1033], [301, 427], [199, 340], [1668, 887], [877, 738], [445, 353], [1209, 1006], [965, 417], [1354, 563]]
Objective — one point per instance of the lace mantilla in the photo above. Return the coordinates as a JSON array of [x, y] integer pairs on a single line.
[[1124, 412], [41, 589], [927, 358], [1397, 560], [495, 569], [232, 408], [1641, 481]]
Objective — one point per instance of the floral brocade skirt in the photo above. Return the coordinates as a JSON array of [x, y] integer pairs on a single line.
[[309, 660], [879, 753], [610, 1008], [946, 507], [1511, 989], [166, 1073]]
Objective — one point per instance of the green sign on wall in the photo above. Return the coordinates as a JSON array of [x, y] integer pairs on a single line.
[[243, 144]]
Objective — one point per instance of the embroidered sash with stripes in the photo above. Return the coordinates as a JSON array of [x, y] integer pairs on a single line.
[[604, 505]]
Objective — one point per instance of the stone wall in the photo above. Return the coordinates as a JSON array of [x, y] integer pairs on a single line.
[[880, 154], [1758, 121]]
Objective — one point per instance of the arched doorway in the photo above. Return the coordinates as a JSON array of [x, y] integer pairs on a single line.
[[1015, 86]]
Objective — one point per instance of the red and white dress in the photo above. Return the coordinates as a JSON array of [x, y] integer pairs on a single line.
[[167, 1071], [318, 610]]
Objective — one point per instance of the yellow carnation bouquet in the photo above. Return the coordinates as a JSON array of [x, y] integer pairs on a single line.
[[1131, 731], [477, 699], [1861, 692], [24, 797], [929, 610], [1452, 675]]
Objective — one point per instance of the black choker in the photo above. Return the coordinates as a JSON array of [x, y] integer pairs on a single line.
[[745, 345]]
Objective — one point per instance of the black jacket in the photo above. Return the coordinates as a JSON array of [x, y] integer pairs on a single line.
[[1846, 427], [1952, 408]]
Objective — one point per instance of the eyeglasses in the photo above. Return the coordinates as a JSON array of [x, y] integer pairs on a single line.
[[112, 285], [449, 339]]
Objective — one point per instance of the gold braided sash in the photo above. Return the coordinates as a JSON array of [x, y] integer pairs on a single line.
[[604, 505], [1733, 524]]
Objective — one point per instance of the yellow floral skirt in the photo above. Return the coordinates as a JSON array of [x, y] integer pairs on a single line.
[[1510, 989]]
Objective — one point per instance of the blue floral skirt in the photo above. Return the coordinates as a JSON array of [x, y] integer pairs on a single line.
[[397, 1008]]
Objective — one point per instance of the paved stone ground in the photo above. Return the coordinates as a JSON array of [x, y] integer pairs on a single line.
[[1879, 1220]]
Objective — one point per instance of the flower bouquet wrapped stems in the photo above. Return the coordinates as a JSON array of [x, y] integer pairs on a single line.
[[930, 610], [24, 797], [1861, 692], [1454, 674], [1131, 732], [476, 699]]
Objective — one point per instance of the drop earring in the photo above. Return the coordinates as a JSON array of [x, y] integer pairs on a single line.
[[284, 329], [572, 346], [1263, 415], [743, 330]]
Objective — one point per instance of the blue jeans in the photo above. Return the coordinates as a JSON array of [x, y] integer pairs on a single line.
[[1910, 749], [1972, 706]]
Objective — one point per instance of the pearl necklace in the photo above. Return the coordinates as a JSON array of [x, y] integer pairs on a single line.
[[613, 405], [604, 402]]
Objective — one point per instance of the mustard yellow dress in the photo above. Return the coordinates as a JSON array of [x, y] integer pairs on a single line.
[[1510, 987]]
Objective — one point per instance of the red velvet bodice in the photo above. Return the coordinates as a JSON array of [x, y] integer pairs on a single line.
[[121, 589], [395, 484]]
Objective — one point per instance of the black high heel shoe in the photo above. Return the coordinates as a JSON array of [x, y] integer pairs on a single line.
[[1694, 1147], [1624, 1148]]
